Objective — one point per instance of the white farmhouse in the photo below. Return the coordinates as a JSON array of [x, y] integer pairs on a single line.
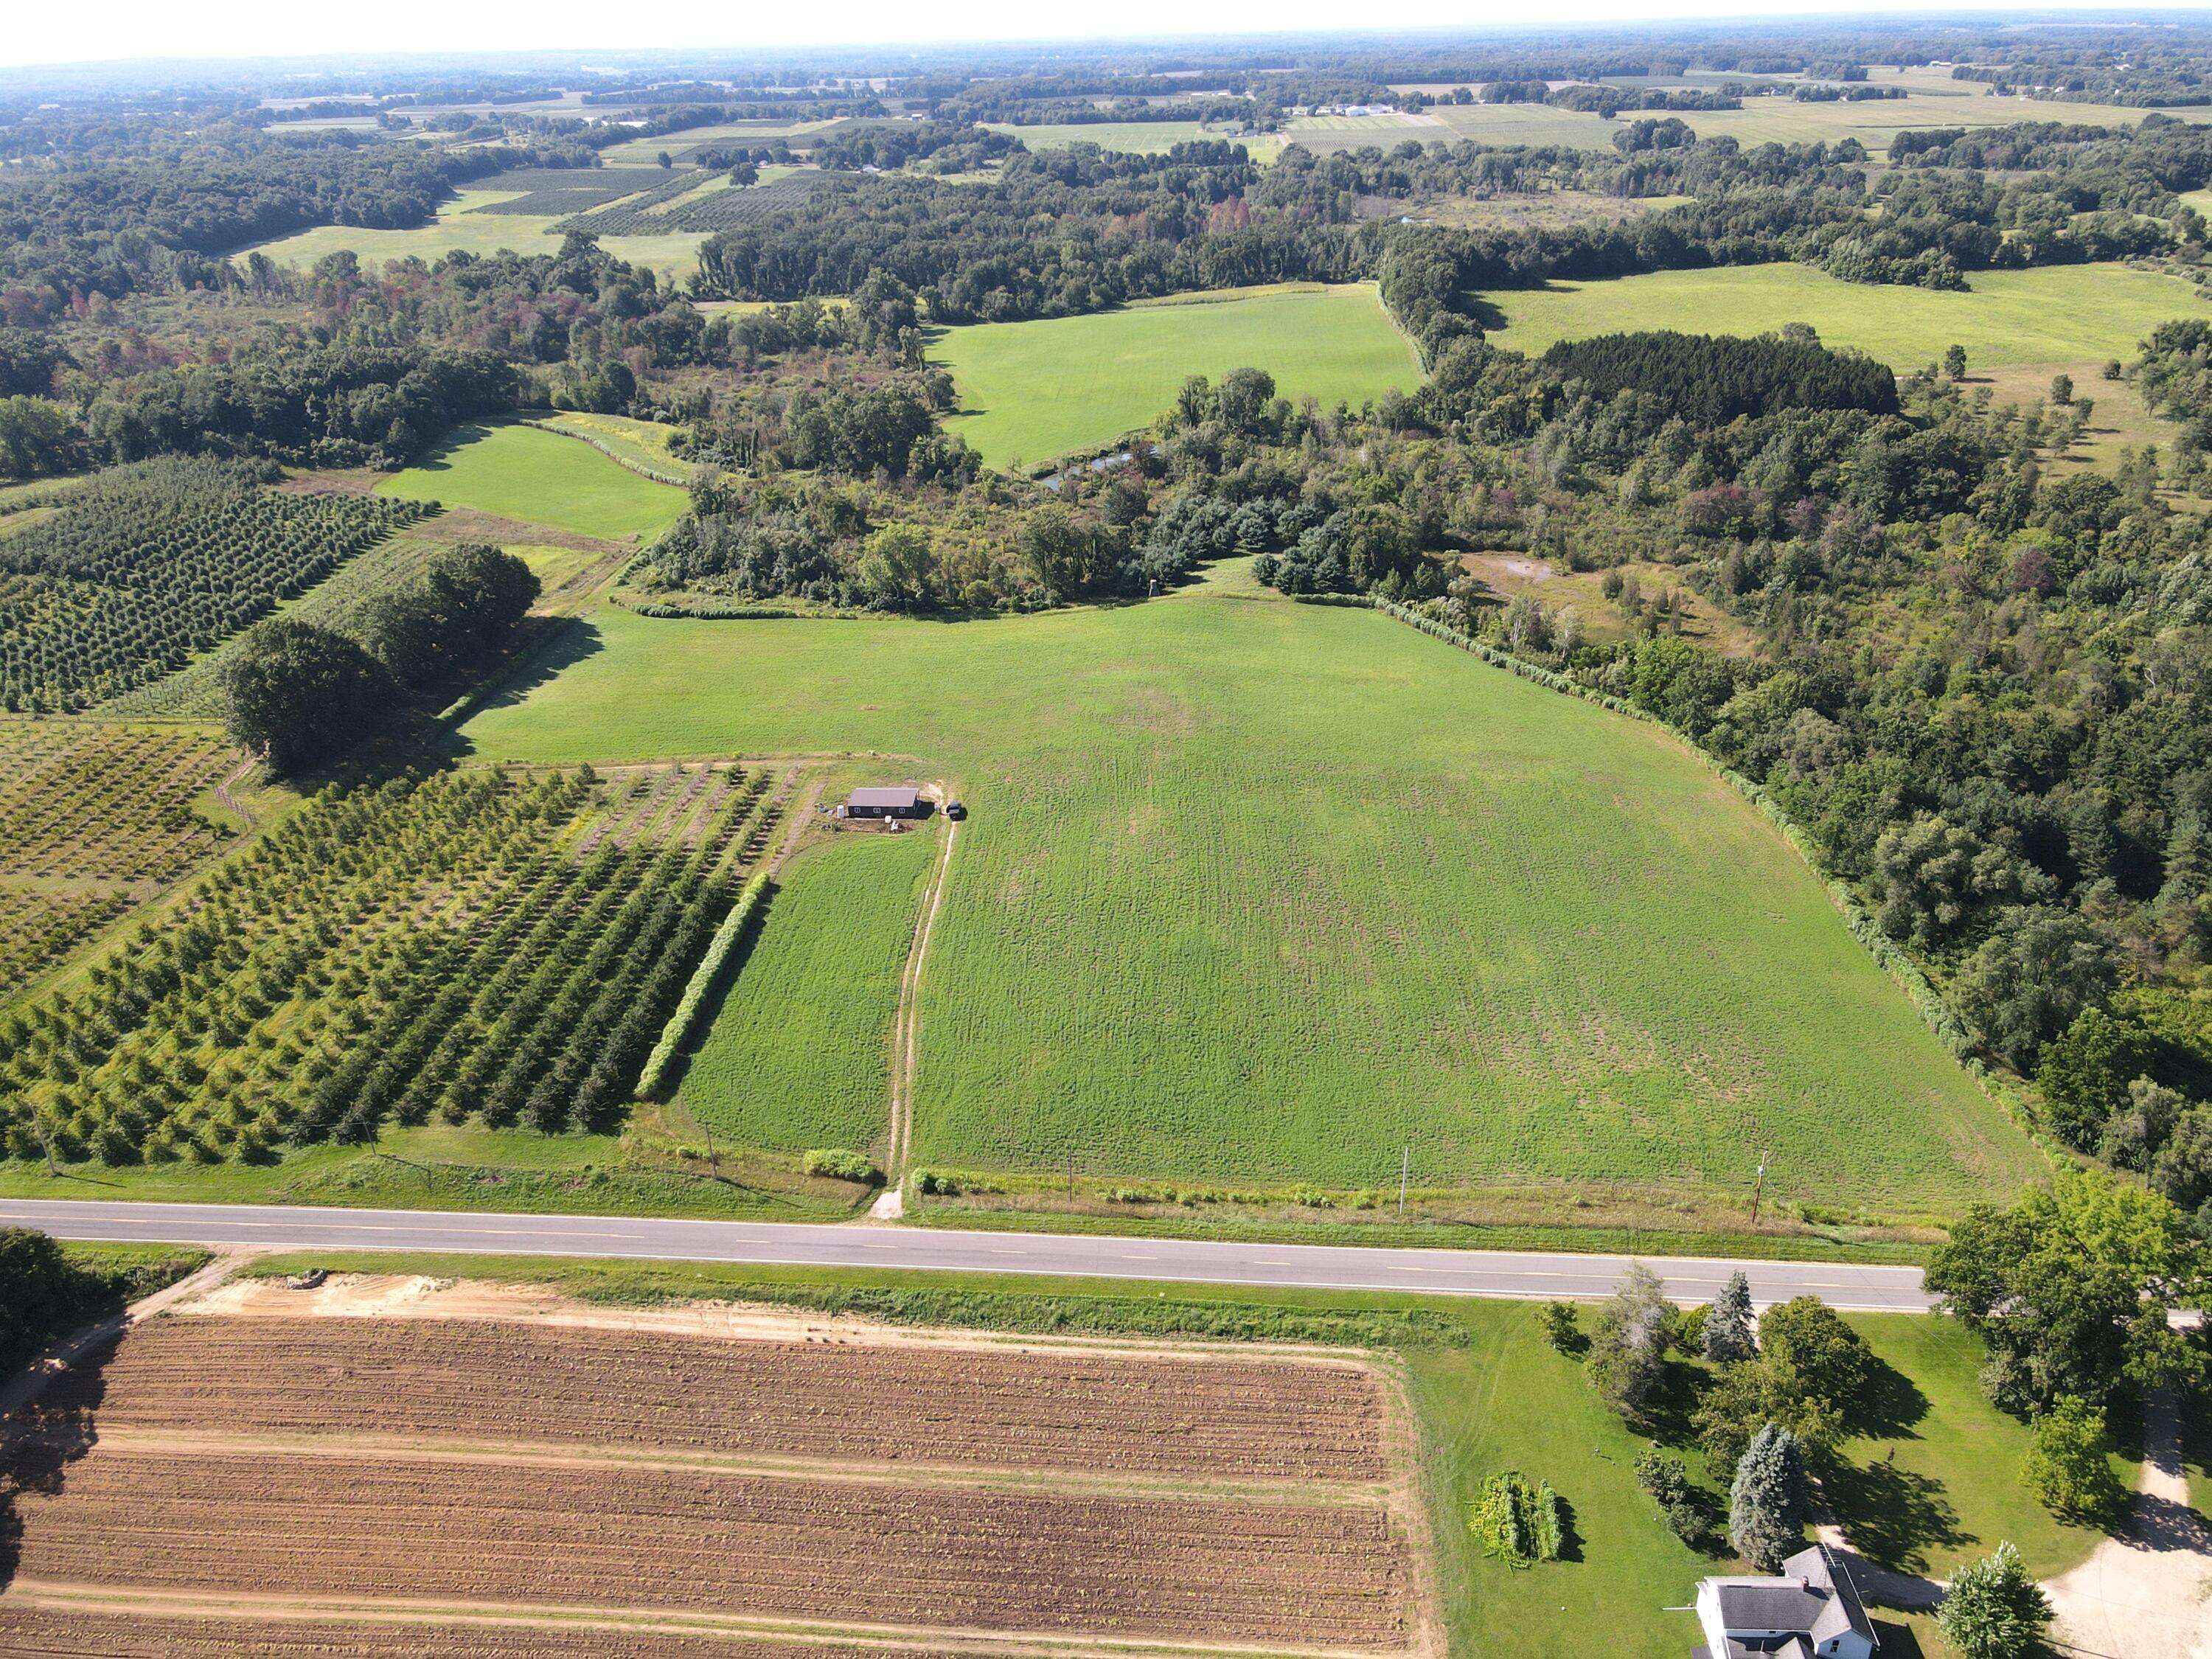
[[1813, 1610]]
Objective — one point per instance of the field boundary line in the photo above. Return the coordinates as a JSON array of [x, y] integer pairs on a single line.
[[906, 1024], [1408, 1503], [1061, 1480], [277, 1607]]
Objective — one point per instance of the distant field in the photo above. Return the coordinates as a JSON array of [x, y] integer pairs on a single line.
[[682, 146], [1263, 891], [1036, 390], [799, 1054], [520, 472], [1933, 99], [1138, 137], [2056, 315], [463, 227]]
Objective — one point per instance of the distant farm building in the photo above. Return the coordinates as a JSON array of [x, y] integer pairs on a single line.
[[901, 802]]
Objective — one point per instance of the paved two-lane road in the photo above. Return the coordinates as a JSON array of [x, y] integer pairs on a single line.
[[1314, 1266]]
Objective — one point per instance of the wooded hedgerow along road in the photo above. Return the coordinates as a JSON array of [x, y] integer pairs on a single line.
[[1532, 1275]]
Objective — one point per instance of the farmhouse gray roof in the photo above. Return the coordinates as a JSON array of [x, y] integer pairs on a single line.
[[1814, 1594], [903, 796]]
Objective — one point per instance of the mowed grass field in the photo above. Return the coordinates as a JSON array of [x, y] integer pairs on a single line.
[[458, 227], [521, 472], [798, 1053], [1033, 391], [2056, 314], [1263, 891]]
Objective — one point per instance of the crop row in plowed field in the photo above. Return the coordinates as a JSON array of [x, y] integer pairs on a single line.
[[458, 944], [36, 1632], [521, 1381], [1294, 1573], [94, 816]]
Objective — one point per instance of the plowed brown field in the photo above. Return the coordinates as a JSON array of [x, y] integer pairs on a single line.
[[36, 1632], [736, 1544], [509, 1478], [837, 1401]]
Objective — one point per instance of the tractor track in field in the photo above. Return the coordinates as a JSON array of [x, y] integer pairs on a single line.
[[906, 1026]]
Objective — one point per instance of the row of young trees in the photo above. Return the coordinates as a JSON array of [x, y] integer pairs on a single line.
[[458, 944], [146, 565]]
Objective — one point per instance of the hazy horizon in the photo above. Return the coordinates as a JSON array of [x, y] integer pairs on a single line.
[[261, 30]]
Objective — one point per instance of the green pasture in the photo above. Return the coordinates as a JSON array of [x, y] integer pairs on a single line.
[[520, 472], [1136, 137], [458, 228], [1263, 891], [1033, 391], [799, 1053], [2054, 314]]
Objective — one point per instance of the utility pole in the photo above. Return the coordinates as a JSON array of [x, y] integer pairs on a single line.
[[1405, 1169], [1757, 1187]]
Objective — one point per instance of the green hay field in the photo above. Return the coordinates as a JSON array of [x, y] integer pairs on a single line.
[[1033, 391], [541, 477], [1137, 137], [460, 229], [1254, 890], [799, 1053], [2056, 315]]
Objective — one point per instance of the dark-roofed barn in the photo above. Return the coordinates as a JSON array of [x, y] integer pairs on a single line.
[[903, 802]]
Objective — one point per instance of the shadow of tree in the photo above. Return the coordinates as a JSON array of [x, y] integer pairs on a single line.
[[1666, 1416], [1570, 1537], [41, 1440], [1889, 1407], [1893, 1517], [568, 642]]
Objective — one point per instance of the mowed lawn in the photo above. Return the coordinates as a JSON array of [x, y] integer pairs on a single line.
[[797, 1050], [1940, 1489], [1033, 391], [2056, 314], [521, 472], [1263, 891]]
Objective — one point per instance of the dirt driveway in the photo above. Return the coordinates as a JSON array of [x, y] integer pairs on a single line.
[[2147, 1593]]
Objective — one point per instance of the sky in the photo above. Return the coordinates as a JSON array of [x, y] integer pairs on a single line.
[[48, 34]]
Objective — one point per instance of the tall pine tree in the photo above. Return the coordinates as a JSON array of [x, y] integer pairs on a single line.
[[1767, 1504], [1728, 1323]]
